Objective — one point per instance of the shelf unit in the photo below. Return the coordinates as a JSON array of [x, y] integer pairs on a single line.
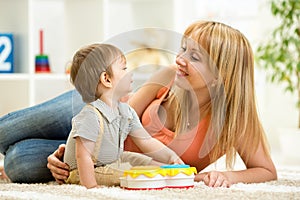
[[24, 87], [67, 25]]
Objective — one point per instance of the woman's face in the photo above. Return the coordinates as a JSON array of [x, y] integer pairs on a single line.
[[193, 71]]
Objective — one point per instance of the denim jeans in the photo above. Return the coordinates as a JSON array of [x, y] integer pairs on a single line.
[[29, 136]]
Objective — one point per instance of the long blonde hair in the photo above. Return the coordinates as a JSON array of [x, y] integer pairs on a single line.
[[239, 125]]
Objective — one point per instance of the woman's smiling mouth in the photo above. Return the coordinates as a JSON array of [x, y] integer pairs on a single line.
[[181, 72]]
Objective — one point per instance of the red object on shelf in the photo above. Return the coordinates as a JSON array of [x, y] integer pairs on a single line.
[[41, 42], [41, 60]]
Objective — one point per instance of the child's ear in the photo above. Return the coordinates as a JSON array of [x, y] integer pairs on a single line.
[[105, 79]]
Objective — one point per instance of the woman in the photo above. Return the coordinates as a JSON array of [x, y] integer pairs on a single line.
[[203, 109]]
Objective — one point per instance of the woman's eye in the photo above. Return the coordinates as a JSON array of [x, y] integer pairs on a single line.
[[195, 57]]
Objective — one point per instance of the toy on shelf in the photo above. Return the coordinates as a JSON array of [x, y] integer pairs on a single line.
[[6, 53], [41, 60], [68, 67], [155, 177]]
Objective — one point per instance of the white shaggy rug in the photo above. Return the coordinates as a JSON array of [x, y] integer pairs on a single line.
[[286, 187]]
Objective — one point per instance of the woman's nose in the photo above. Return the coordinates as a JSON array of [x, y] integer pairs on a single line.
[[180, 60]]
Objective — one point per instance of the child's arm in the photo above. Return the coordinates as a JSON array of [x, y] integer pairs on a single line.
[[85, 163], [154, 148]]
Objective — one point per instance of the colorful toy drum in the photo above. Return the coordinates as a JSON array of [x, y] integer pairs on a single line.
[[143, 177], [179, 176], [154, 177]]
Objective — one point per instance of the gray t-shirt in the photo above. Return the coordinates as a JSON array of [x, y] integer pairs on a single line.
[[116, 126]]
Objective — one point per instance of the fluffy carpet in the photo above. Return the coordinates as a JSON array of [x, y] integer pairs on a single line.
[[286, 187]]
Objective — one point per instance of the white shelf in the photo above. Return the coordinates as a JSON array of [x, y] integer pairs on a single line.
[[14, 77], [53, 77], [19, 76]]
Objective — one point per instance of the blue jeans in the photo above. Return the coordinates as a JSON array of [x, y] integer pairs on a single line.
[[29, 136]]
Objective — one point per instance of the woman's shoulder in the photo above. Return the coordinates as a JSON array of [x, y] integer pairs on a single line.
[[163, 76], [145, 95]]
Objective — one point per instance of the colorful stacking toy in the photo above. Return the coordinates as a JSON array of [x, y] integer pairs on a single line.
[[41, 60], [154, 177]]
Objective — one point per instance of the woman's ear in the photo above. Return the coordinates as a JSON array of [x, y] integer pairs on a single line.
[[105, 79]]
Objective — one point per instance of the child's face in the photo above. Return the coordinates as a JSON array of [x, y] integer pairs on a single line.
[[121, 78]]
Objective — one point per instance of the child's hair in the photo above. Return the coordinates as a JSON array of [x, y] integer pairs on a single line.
[[88, 64]]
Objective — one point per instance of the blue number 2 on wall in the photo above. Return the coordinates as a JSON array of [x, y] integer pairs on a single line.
[[6, 53]]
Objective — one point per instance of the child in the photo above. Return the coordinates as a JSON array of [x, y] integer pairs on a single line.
[[94, 149]]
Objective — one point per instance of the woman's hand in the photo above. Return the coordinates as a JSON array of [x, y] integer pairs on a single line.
[[59, 169], [213, 179]]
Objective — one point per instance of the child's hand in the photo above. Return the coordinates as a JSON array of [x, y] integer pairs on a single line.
[[176, 160]]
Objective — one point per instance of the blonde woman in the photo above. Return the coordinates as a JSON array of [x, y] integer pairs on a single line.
[[214, 76], [203, 108]]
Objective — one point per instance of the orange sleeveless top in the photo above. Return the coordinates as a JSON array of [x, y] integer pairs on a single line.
[[186, 145]]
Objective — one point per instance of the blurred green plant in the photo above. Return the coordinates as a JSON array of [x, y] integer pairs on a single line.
[[280, 54]]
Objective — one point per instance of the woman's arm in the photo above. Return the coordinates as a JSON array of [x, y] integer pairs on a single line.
[[85, 162], [260, 168], [147, 93], [154, 148]]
